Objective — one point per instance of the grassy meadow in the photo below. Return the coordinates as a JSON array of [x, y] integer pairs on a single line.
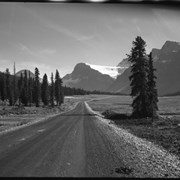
[[13, 117], [166, 130], [122, 104]]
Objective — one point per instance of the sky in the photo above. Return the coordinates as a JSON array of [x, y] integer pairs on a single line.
[[54, 36]]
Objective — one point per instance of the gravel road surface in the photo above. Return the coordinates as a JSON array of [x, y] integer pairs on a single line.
[[79, 143]]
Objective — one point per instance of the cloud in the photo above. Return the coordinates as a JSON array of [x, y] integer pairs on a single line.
[[47, 51], [67, 32], [39, 52], [63, 30], [85, 38]]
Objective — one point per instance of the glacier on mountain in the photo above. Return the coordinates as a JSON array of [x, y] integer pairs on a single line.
[[109, 70]]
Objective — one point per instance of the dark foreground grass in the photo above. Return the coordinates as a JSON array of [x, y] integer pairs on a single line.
[[164, 132]]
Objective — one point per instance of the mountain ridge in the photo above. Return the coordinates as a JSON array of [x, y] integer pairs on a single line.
[[166, 61]]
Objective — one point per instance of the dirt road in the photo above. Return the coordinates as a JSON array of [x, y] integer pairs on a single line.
[[78, 144]]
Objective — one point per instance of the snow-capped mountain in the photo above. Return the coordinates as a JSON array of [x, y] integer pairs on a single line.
[[109, 70], [112, 71], [94, 77]]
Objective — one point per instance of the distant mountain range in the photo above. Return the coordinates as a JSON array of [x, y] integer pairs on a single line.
[[29, 73], [116, 79], [167, 64]]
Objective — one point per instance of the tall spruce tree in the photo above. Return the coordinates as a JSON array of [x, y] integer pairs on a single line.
[[20, 89], [3, 88], [45, 90], [138, 78], [61, 92], [25, 89], [57, 88], [14, 85], [52, 90], [37, 87], [30, 89], [152, 91], [8, 87]]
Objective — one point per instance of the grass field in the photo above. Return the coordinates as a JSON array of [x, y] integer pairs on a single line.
[[122, 104], [13, 117], [165, 133]]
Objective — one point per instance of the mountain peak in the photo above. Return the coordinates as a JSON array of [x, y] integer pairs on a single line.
[[124, 63], [29, 73], [170, 46], [83, 76]]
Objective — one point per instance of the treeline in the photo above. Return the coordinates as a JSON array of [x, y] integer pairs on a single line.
[[29, 90], [68, 91], [104, 92]]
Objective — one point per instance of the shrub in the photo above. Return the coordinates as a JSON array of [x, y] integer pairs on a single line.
[[109, 114]]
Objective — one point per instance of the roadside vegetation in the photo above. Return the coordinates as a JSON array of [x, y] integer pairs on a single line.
[[164, 132], [14, 116]]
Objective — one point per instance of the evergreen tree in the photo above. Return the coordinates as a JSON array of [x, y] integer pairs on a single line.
[[3, 87], [61, 91], [44, 90], [152, 91], [20, 88], [57, 88], [30, 90], [8, 87], [59, 95], [14, 86], [138, 78], [37, 87], [24, 95], [52, 90]]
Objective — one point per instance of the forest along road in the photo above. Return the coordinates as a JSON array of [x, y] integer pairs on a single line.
[[81, 144]]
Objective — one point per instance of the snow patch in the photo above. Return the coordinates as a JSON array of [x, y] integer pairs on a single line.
[[109, 70]]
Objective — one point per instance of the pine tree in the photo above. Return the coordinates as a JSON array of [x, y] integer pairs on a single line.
[[61, 92], [8, 87], [138, 78], [30, 90], [152, 91], [25, 89], [20, 88], [37, 87], [59, 95], [57, 88], [52, 90], [14, 86], [45, 90], [3, 87]]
